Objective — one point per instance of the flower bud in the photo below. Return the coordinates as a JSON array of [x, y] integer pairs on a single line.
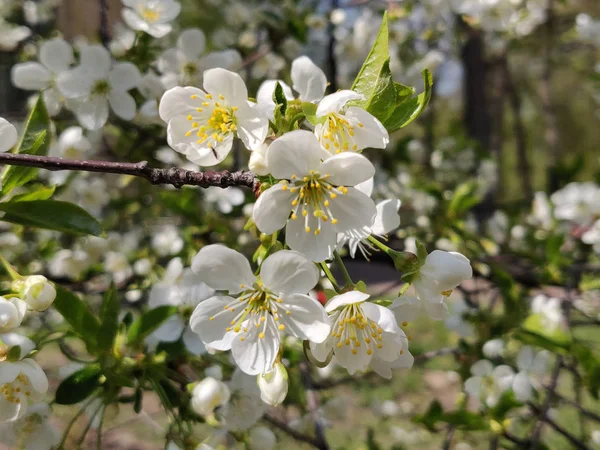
[[12, 312], [208, 395], [273, 385], [261, 438], [448, 269], [38, 292], [258, 161]]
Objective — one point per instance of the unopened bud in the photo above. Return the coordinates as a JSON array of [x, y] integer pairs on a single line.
[[208, 395], [273, 385], [38, 292]]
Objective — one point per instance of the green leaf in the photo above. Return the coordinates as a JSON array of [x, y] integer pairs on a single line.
[[366, 82], [109, 320], [536, 331], [409, 109], [10, 269], [43, 193], [279, 99], [79, 386], [148, 322], [77, 315], [51, 215], [464, 198], [35, 141]]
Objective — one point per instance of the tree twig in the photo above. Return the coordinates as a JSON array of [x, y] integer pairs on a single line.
[[289, 430], [543, 411], [104, 33], [175, 176], [572, 439]]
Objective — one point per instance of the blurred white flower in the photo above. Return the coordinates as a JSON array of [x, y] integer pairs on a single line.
[[33, 431], [38, 292], [11, 35], [245, 406], [488, 383], [150, 16], [532, 367], [167, 241], [549, 308], [494, 348], [224, 199], [117, 264], [68, 264], [208, 395], [8, 135], [261, 438], [21, 383]]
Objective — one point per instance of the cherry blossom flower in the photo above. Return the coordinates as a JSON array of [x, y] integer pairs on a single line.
[[313, 199], [261, 438], [202, 125], [437, 277], [167, 241], [38, 293], [347, 128], [56, 56], [488, 383], [363, 334], [11, 35], [33, 431], [208, 395], [274, 301], [244, 407], [532, 367], [151, 16], [96, 83], [21, 383]]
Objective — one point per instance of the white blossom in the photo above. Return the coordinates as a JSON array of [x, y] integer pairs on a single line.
[[244, 407], [8, 135], [363, 334], [11, 35], [488, 383], [167, 241], [33, 431], [21, 383], [208, 395], [12, 311], [56, 56], [274, 301], [38, 292], [150, 16], [224, 199], [117, 264], [550, 310], [202, 125], [313, 199], [97, 83], [532, 367]]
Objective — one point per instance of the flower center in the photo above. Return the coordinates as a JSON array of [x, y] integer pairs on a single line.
[[101, 87], [353, 329], [213, 121], [150, 15], [253, 307], [15, 391], [339, 133], [313, 197]]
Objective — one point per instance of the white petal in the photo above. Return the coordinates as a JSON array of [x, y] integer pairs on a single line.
[[192, 43], [133, 20], [366, 187], [213, 332], [406, 308], [93, 113], [223, 269], [170, 330], [74, 83], [295, 153], [8, 135], [437, 310], [289, 272], [308, 80], [347, 298], [95, 59], [52, 100], [391, 346], [315, 247], [159, 30], [56, 54], [193, 343], [381, 368], [123, 104], [333, 103], [322, 350], [522, 387], [307, 319], [482, 368], [37, 377], [372, 134], [226, 59], [30, 76], [255, 355], [272, 209], [347, 169], [353, 210], [525, 358], [170, 11], [11, 411], [449, 269], [178, 102], [353, 362], [124, 76], [387, 218], [381, 316], [253, 126], [228, 84], [473, 386]]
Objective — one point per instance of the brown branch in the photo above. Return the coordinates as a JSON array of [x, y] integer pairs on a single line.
[[290, 431], [572, 439], [175, 176]]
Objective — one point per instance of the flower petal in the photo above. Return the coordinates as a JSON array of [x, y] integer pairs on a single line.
[[347, 169], [333, 103], [213, 332], [178, 101], [381, 316], [56, 54], [322, 350], [272, 209], [353, 210], [193, 343], [8, 135], [93, 113], [315, 247], [124, 76], [295, 153], [30, 76], [192, 42], [372, 134], [252, 124], [522, 387], [406, 308], [223, 269], [95, 59], [228, 84], [347, 298], [123, 104], [387, 218], [306, 319], [255, 355], [289, 272], [308, 80], [482, 368], [170, 330]]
